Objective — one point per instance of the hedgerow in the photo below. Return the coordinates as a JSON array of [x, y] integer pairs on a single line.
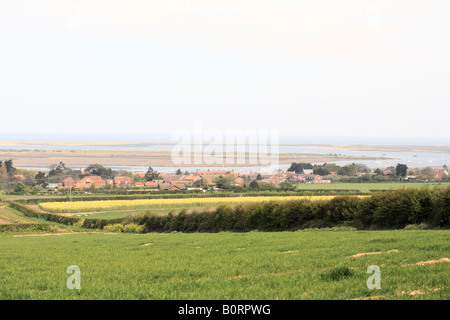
[[14, 227], [30, 212], [388, 209]]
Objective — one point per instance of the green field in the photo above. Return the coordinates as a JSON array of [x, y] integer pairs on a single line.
[[314, 264], [9, 217], [366, 186]]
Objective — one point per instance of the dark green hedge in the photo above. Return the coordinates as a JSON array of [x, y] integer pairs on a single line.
[[25, 226], [30, 212], [95, 223]]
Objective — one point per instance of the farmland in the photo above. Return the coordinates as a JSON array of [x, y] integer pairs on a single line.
[[7, 217], [87, 206], [255, 265], [322, 256], [367, 186]]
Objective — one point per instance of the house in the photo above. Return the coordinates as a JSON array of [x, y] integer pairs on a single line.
[[151, 184], [216, 173], [308, 171], [139, 184], [299, 178], [52, 185], [69, 182], [207, 181], [313, 178], [185, 182], [439, 174], [19, 177], [192, 179], [289, 174], [171, 187], [88, 181], [359, 174], [276, 180], [122, 182], [239, 182]]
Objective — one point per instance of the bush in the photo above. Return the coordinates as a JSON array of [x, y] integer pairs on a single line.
[[422, 226], [133, 228], [95, 223], [117, 227]]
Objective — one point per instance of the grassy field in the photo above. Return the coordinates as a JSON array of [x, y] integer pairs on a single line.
[[310, 264], [367, 186], [9, 217]]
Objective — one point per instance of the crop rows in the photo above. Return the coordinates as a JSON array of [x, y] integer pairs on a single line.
[[89, 206]]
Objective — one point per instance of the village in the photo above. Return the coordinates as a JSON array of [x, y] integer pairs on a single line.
[[205, 179], [97, 177], [217, 180]]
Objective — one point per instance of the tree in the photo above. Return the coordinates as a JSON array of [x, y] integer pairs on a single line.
[[41, 179], [348, 170], [401, 170], [254, 184], [259, 177], [286, 186], [200, 183], [3, 177], [298, 167], [9, 167], [59, 172], [179, 172], [151, 175], [378, 172], [99, 170], [223, 183], [20, 188], [321, 171], [331, 166], [360, 167], [427, 171]]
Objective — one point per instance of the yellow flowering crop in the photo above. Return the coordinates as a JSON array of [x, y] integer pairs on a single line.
[[105, 205]]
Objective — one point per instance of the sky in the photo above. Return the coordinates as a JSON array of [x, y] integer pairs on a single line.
[[92, 69]]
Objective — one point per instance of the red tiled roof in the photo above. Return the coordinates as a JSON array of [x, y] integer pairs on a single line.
[[151, 184], [86, 182], [122, 180]]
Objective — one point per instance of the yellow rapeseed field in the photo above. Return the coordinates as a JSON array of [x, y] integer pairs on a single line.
[[105, 205]]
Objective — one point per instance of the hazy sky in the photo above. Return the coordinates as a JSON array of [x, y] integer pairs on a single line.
[[305, 68]]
